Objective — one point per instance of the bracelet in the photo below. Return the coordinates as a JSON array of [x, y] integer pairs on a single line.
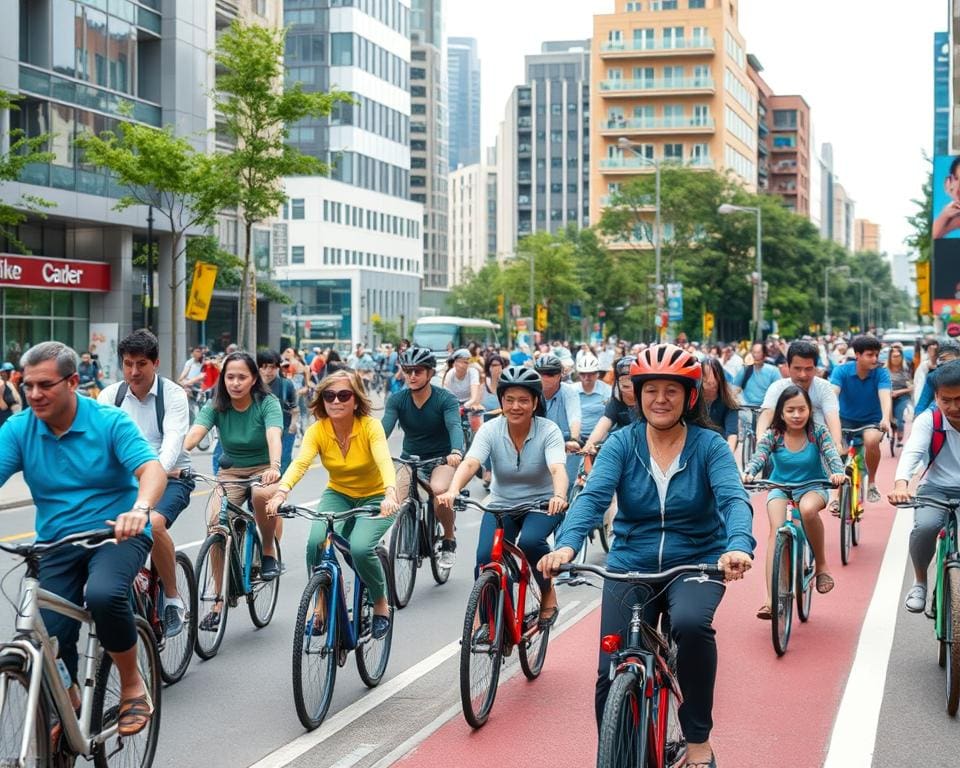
[[558, 496]]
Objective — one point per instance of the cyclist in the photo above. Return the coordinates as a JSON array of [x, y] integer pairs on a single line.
[[863, 388], [754, 380], [463, 380], [9, 396], [800, 451], [592, 392], [191, 375], [562, 407], [430, 419], [720, 402], [694, 511], [489, 402], [88, 467], [353, 448], [285, 391], [901, 387], [526, 455], [250, 421], [159, 408], [621, 408], [934, 444], [947, 351]]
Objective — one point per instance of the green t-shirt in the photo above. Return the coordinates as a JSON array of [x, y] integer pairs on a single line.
[[244, 433]]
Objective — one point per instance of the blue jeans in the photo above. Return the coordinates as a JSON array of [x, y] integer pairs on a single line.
[[175, 499], [532, 529], [286, 449], [899, 406]]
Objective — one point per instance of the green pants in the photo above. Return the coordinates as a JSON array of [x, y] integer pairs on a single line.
[[363, 532]]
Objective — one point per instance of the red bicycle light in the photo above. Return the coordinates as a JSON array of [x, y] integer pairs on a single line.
[[610, 643]]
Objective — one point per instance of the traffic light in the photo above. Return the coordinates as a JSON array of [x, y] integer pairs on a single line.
[[923, 287], [708, 320], [541, 319], [500, 305]]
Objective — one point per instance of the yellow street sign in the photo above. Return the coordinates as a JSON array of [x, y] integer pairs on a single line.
[[542, 316], [201, 291], [708, 320], [923, 287]]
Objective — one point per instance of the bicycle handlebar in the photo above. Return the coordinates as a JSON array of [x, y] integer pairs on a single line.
[[213, 479], [642, 578], [85, 538], [295, 510], [752, 408], [462, 502], [766, 485], [859, 430], [949, 505], [417, 463]]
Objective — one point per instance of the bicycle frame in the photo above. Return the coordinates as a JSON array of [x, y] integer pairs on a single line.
[[855, 469], [793, 527], [947, 559], [507, 618]]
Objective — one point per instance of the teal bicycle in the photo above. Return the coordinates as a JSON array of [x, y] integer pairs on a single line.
[[794, 568]]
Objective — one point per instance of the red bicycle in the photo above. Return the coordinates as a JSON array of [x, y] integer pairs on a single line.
[[492, 626]]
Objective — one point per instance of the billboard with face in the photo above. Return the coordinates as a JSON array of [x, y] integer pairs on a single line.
[[945, 282]]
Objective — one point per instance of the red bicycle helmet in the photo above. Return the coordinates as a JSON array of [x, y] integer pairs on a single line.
[[668, 361]]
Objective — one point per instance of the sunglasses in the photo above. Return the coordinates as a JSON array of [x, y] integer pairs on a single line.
[[416, 370], [342, 395]]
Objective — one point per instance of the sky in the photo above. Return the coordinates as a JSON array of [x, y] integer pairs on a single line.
[[864, 66]]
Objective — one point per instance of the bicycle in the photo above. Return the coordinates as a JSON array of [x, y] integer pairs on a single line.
[[604, 531], [492, 626], [945, 605], [640, 726], [416, 533], [34, 698], [794, 568], [471, 419], [328, 628], [196, 399], [228, 568], [854, 492], [748, 434]]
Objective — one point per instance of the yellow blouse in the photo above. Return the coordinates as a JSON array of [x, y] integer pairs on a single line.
[[366, 470]]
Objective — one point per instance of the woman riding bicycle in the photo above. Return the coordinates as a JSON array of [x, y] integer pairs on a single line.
[[800, 451], [721, 403], [620, 411], [680, 502], [901, 383], [528, 465], [353, 448]]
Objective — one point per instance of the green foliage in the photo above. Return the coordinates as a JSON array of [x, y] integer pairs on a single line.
[[229, 268], [477, 295], [921, 221], [387, 330]]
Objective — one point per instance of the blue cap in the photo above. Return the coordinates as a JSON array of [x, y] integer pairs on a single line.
[[7, 367]]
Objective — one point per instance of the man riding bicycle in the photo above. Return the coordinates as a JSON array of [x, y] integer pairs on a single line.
[[562, 405], [88, 467], [159, 408], [430, 419], [463, 380]]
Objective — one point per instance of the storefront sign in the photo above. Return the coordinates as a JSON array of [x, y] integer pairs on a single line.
[[201, 291], [54, 274]]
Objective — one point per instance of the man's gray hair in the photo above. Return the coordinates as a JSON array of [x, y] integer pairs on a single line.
[[948, 347], [67, 360]]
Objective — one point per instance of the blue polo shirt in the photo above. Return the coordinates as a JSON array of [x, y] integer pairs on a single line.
[[860, 398], [82, 478], [564, 408], [592, 405], [758, 383]]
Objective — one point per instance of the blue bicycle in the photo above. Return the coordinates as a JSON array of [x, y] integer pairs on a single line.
[[329, 626]]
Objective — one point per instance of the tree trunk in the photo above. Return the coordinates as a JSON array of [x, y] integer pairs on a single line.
[[250, 342], [177, 310]]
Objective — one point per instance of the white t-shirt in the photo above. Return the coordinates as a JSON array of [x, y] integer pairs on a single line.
[[822, 397], [460, 388]]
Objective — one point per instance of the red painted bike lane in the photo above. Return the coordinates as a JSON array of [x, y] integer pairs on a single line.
[[766, 709]]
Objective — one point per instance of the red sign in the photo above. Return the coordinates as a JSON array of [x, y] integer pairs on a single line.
[[54, 274]]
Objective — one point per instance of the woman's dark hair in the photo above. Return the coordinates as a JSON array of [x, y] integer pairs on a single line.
[[221, 398], [724, 392], [140, 343], [333, 356], [903, 360], [777, 424], [494, 359], [267, 357]]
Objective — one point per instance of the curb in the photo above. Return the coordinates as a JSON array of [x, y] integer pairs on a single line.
[[27, 502]]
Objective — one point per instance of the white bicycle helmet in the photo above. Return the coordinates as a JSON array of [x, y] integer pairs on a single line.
[[588, 364]]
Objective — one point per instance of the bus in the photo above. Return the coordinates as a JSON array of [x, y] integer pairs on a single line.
[[438, 332]]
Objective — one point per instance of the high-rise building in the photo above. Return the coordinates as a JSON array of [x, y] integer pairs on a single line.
[[789, 165], [843, 216], [941, 93], [428, 144], [473, 216], [764, 93], [347, 248], [463, 83], [543, 171], [866, 236], [837, 213], [672, 81]]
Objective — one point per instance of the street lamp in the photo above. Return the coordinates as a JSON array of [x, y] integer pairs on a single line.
[[726, 209], [863, 282], [624, 143], [843, 269]]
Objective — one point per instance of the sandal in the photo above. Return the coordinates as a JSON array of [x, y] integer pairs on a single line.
[[834, 507], [711, 764], [550, 619], [134, 714], [764, 612], [825, 583]]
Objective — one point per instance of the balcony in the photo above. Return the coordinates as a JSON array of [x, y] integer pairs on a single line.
[[635, 165], [781, 148], [524, 122], [762, 129], [631, 49], [226, 12], [524, 149], [640, 125], [674, 86], [523, 177], [645, 203], [523, 98]]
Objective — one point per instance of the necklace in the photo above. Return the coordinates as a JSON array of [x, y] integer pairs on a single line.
[[345, 441], [660, 453]]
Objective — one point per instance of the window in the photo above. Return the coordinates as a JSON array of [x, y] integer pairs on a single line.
[[296, 254], [734, 49], [669, 5], [741, 165], [741, 93], [296, 208], [673, 37], [418, 73], [673, 152], [341, 49], [784, 118], [643, 39], [739, 128], [695, 4]]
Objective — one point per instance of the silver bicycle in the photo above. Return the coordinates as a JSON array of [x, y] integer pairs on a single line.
[[38, 724]]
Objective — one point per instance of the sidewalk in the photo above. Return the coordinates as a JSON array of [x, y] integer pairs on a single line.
[[15, 493]]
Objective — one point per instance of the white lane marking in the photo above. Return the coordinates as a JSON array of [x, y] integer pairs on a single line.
[[332, 725], [360, 752], [855, 729]]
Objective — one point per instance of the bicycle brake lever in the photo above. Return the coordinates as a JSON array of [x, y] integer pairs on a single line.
[[97, 545]]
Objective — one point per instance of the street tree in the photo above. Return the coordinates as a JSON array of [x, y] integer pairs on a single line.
[[476, 295], [921, 220]]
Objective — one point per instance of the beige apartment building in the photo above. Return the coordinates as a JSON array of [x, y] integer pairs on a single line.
[[671, 77], [866, 236]]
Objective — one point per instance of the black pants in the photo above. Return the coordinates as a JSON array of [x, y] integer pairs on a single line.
[[107, 573], [690, 605], [533, 529]]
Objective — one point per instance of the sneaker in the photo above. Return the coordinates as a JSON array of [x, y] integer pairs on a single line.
[[916, 598], [211, 622], [873, 494], [381, 625], [174, 613], [481, 635], [448, 553], [269, 568]]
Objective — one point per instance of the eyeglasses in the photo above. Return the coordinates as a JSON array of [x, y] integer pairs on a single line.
[[343, 395], [415, 370], [43, 386]]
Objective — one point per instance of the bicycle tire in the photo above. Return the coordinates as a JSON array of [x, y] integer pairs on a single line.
[[372, 654], [943, 647], [15, 680], [804, 585], [951, 628], [533, 652], [855, 520], [435, 533], [263, 596], [606, 533], [208, 642], [177, 651], [481, 610], [845, 522], [625, 725], [403, 556], [323, 648], [106, 705], [781, 593]]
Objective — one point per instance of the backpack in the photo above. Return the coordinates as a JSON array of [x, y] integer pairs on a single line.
[[161, 411], [939, 436]]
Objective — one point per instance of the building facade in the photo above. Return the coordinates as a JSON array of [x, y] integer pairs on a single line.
[[671, 78], [543, 146], [463, 83], [764, 93], [866, 236], [789, 144], [473, 215]]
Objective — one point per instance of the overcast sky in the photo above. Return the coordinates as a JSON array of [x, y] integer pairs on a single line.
[[864, 66]]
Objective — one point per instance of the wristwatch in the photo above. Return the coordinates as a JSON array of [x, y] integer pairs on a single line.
[[141, 506]]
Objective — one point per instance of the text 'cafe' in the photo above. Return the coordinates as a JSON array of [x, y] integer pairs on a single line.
[[44, 299]]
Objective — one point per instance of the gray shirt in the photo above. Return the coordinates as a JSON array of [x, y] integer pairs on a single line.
[[823, 398], [524, 476]]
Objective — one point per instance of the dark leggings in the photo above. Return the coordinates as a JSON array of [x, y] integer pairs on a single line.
[[107, 572], [533, 529], [690, 605]]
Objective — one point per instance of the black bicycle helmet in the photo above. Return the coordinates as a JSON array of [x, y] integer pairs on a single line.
[[623, 365], [417, 356], [527, 378], [548, 364]]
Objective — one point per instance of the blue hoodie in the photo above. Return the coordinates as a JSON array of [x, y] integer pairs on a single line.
[[707, 511]]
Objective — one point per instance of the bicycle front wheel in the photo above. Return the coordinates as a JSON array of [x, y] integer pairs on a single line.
[[625, 724], [373, 653], [314, 652], [139, 749], [781, 593], [434, 534], [951, 631], [846, 522], [481, 653], [212, 587], [533, 652], [805, 581], [262, 600], [15, 685], [403, 556], [178, 649]]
